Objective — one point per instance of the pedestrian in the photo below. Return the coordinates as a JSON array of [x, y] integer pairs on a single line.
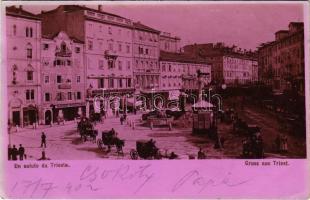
[[14, 153], [21, 152], [201, 154], [9, 152], [43, 140]]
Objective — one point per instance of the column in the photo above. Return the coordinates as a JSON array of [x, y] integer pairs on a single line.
[[21, 117], [87, 109]]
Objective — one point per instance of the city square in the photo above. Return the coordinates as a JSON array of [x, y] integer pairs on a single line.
[[86, 84]]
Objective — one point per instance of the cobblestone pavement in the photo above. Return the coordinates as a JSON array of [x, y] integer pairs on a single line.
[[63, 141]]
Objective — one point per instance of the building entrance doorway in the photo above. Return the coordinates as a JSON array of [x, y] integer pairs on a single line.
[[48, 117], [16, 118]]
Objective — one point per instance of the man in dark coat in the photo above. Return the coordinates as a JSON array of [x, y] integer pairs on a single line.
[[21, 152], [9, 152], [43, 140], [14, 153]]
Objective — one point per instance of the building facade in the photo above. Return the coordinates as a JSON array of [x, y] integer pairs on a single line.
[[63, 78], [108, 47], [23, 34], [146, 57], [230, 66], [169, 43], [179, 72], [281, 61]]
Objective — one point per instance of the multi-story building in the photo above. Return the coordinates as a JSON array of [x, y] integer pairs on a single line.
[[108, 46], [146, 56], [180, 72], [23, 34], [62, 77], [281, 62], [229, 65], [169, 43]]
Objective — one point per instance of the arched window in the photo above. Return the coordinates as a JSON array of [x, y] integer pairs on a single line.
[[29, 50], [63, 47], [27, 32], [14, 69], [14, 30], [30, 32]]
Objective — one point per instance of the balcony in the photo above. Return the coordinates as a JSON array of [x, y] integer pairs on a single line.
[[64, 86], [62, 53]]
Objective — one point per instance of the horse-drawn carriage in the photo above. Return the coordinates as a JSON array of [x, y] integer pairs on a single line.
[[86, 130], [241, 127], [146, 149], [109, 139]]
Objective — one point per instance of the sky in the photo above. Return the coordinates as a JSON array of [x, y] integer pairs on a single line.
[[244, 25]]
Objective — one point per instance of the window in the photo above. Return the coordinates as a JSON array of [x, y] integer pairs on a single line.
[[120, 65], [140, 50], [120, 47], [45, 46], [101, 83], [59, 96], [128, 64], [110, 63], [47, 97], [100, 64], [58, 79], [90, 45], [29, 75], [28, 32], [146, 51], [164, 68], [77, 50], [111, 83], [69, 95], [129, 82], [78, 95], [29, 52], [110, 46], [110, 30], [120, 83], [78, 79], [46, 79], [29, 94], [127, 49], [169, 68], [14, 30]]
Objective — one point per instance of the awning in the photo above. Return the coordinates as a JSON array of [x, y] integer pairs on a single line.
[[130, 102], [203, 104], [174, 94]]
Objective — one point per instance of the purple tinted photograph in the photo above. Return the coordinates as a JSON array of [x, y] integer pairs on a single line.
[[155, 82]]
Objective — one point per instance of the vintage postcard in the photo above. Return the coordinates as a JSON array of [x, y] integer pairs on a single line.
[[155, 99]]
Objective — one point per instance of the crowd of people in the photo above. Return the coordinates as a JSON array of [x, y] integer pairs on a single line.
[[253, 146], [16, 154], [281, 143]]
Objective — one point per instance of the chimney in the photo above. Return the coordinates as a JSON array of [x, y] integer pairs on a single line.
[[20, 7], [100, 8]]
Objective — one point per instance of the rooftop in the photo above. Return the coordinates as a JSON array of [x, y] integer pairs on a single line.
[[72, 8], [138, 25], [180, 57], [52, 36], [20, 12]]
